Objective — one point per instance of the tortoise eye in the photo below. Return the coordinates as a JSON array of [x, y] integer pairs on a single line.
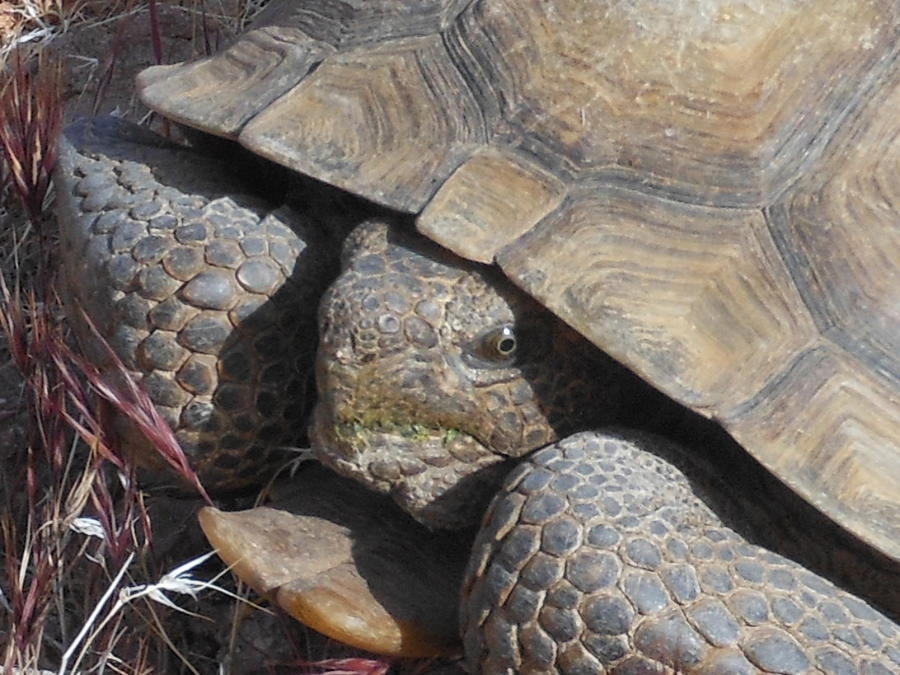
[[500, 344]]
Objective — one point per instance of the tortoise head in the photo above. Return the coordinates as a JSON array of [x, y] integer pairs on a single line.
[[433, 371]]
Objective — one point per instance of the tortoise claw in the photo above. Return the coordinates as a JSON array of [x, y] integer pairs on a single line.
[[348, 564]]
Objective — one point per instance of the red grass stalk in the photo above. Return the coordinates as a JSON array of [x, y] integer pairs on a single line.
[[109, 61], [35, 521], [210, 32], [32, 522], [119, 389], [155, 37], [31, 109], [34, 349], [29, 334]]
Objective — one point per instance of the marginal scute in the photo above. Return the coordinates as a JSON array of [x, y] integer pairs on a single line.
[[222, 93], [265, 63], [842, 424], [488, 202], [394, 156]]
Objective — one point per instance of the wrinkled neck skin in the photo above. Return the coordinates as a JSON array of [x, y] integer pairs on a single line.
[[433, 372]]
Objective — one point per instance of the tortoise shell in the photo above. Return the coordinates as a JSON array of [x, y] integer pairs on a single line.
[[708, 191]]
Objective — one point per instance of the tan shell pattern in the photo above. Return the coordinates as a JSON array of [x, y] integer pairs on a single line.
[[709, 190]]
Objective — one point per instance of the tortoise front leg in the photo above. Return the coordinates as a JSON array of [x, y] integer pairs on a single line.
[[601, 555], [206, 293]]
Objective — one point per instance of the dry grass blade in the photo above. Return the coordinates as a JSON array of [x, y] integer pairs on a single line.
[[39, 21], [30, 590], [30, 333], [13, 324], [123, 520], [349, 666]]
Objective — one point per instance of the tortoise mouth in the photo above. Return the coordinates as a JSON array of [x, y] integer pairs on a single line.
[[442, 476], [388, 432], [374, 444]]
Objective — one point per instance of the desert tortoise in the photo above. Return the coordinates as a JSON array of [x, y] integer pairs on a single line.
[[705, 191]]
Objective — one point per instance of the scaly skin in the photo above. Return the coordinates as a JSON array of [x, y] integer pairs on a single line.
[[206, 293], [600, 555], [609, 551]]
